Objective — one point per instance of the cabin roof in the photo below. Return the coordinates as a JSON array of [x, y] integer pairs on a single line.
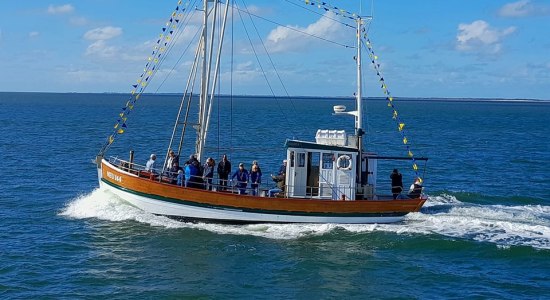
[[315, 146]]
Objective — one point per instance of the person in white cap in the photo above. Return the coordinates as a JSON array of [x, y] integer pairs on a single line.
[[150, 165], [280, 178]]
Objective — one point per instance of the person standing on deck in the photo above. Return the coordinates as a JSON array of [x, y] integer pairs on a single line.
[[242, 179], [255, 177], [170, 161], [150, 165], [396, 183], [208, 173], [224, 169]]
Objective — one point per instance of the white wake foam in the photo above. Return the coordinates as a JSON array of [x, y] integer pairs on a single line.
[[505, 226]]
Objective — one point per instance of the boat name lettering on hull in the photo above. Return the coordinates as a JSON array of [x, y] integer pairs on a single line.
[[114, 177]]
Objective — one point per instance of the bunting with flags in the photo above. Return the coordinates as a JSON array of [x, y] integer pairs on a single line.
[[337, 11], [391, 103], [153, 61]]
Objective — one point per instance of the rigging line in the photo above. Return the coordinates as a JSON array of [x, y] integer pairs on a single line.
[[299, 31], [168, 50], [261, 67], [150, 72], [231, 80], [320, 14], [389, 98], [273, 65]]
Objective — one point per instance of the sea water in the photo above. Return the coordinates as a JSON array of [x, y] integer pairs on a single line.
[[483, 233]]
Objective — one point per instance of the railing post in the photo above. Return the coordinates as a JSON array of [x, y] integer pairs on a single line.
[[131, 162]]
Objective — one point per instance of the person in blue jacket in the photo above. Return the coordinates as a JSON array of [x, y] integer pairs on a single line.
[[255, 177], [242, 179], [191, 173]]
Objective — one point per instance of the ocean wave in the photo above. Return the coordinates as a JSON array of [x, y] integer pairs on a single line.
[[505, 226]]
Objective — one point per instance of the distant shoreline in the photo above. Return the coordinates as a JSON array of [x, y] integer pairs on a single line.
[[434, 99]]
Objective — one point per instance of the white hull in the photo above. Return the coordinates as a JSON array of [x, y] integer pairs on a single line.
[[225, 215]]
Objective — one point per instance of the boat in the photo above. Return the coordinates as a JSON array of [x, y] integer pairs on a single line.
[[331, 179]]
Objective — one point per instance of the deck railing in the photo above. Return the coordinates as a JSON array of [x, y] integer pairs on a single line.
[[311, 192]]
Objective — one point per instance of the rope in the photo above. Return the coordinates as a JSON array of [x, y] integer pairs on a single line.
[[297, 30], [395, 115], [320, 14], [154, 61]]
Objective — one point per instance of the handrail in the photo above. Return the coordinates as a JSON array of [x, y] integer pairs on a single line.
[[234, 189]]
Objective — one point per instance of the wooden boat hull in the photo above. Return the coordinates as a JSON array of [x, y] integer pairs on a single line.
[[187, 203]]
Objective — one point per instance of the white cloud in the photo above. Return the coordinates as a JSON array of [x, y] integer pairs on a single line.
[[283, 39], [480, 37], [78, 21], [34, 34], [61, 9], [523, 8], [101, 49], [103, 33]]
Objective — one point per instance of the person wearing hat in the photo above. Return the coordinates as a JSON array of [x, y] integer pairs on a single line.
[[242, 179], [416, 188], [150, 165], [281, 176]]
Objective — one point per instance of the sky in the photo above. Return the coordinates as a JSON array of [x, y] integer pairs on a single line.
[[425, 48]]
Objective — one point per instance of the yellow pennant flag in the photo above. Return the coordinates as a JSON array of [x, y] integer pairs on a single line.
[[395, 114], [401, 125], [111, 139], [120, 131], [137, 96], [410, 153], [405, 141], [116, 125], [415, 167]]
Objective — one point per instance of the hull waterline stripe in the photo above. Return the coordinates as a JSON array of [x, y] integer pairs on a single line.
[[274, 212]]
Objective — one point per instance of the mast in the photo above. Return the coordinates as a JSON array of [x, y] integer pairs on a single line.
[[204, 79], [359, 116]]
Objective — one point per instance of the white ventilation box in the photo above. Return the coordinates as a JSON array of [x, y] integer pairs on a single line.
[[331, 137]]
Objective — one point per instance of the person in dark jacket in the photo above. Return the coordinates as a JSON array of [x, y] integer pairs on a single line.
[[224, 169], [255, 177], [416, 188], [396, 183], [242, 179], [208, 173]]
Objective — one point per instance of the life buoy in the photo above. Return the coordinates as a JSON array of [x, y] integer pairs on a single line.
[[344, 158]]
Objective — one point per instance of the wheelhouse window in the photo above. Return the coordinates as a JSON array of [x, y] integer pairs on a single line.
[[301, 160], [327, 160]]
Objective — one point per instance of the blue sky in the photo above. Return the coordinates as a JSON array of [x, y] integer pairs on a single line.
[[427, 48]]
